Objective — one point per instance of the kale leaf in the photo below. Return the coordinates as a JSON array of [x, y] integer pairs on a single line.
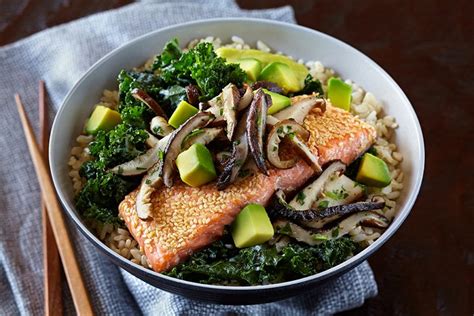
[[134, 112], [103, 191], [170, 53], [117, 146], [222, 263], [311, 85], [200, 66], [172, 96]]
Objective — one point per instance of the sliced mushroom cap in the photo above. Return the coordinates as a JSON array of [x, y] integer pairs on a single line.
[[160, 127], [305, 199], [256, 124], [297, 232], [143, 201], [271, 120], [216, 107], [231, 98], [340, 190], [142, 163], [150, 183], [203, 106], [246, 99], [238, 157], [277, 133], [298, 114], [151, 141], [306, 153], [173, 148], [300, 107], [192, 94], [202, 136], [351, 222], [144, 97], [222, 158], [317, 218], [270, 86]]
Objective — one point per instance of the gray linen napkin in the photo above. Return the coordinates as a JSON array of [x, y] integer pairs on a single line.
[[59, 56]]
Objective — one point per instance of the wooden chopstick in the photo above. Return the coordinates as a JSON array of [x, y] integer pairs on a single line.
[[71, 268], [53, 303]]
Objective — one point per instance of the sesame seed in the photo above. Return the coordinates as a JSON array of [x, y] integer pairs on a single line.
[[181, 214]]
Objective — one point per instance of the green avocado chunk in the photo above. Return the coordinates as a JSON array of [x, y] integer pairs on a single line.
[[232, 55], [252, 226], [282, 75], [183, 112], [279, 102], [195, 165], [373, 171], [251, 66], [340, 93], [102, 118]]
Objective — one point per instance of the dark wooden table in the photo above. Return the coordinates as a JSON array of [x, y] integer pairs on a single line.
[[428, 47]]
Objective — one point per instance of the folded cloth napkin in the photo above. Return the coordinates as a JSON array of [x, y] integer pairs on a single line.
[[59, 56]]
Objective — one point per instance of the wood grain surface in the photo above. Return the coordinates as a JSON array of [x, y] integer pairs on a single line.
[[428, 48]]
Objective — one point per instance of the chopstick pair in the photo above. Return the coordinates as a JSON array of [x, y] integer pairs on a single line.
[[77, 287]]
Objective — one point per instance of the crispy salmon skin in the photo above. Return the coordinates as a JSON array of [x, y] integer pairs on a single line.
[[186, 219]]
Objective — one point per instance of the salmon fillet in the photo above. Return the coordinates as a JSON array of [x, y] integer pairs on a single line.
[[186, 219]]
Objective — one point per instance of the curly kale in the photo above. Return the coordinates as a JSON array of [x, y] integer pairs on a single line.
[[173, 69], [134, 112], [311, 85], [103, 191], [171, 52], [119, 145], [222, 262], [199, 66]]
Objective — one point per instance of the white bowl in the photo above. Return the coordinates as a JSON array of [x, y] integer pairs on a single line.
[[293, 40]]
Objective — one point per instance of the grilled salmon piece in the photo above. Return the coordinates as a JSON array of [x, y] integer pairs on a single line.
[[186, 219]]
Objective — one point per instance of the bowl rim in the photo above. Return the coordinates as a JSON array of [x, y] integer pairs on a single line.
[[347, 264]]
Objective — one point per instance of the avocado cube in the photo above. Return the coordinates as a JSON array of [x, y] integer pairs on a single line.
[[279, 102], [195, 165], [183, 112], [251, 66], [373, 171], [340, 93], [102, 118], [282, 75], [232, 55], [252, 226]]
